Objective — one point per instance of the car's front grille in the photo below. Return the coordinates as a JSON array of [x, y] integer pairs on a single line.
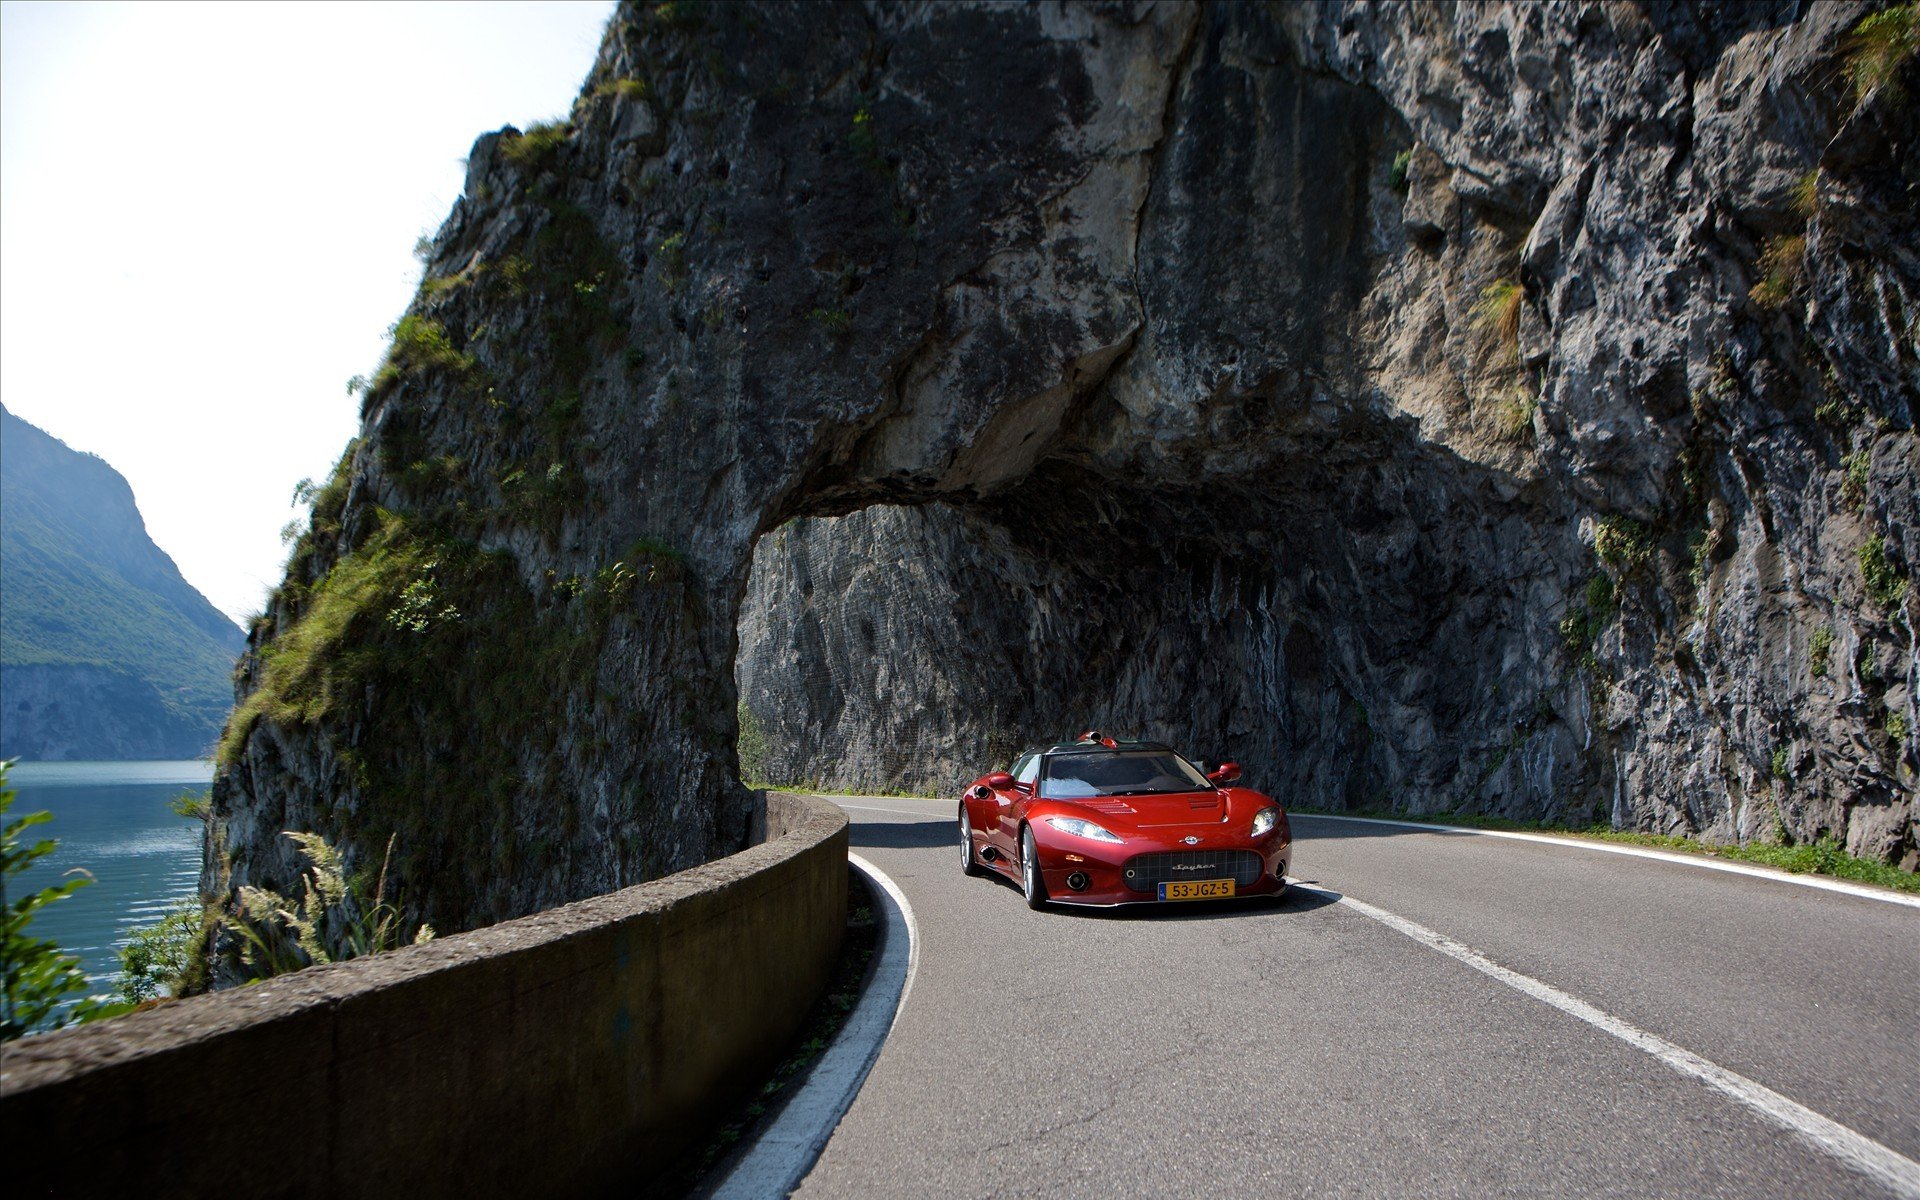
[[1145, 872]]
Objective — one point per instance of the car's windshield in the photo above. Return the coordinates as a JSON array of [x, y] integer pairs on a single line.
[[1120, 773]]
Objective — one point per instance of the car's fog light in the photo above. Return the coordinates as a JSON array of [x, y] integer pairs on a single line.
[[1077, 881]]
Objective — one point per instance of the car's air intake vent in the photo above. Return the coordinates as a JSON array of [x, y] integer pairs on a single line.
[[1145, 872]]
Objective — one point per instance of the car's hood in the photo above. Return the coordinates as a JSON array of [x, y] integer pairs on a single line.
[[1174, 810]]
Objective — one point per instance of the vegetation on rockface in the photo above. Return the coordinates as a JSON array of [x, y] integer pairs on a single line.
[[420, 344], [416, 637], [1820, 651], [1853, 485], [1783, 267], [536, 147], [629, 88], [1499, 313], [1580, 628], [336, 917], [1397, 173], [672, 254], [1622, 543], [1878, 51], [752, 747], [1514, 418], [38, 978], [1822, 856], [836, 321], [1884, 581], [167, 957]]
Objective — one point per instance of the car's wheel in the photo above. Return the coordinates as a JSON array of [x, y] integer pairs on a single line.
[[968, 863], [1032, 882]]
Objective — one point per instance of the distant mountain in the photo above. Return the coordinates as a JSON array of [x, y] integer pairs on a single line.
[[105, 651]]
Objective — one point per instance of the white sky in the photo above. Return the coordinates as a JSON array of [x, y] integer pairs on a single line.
[[207, 220]]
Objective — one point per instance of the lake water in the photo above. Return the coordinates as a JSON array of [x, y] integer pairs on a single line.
[[113, 819]]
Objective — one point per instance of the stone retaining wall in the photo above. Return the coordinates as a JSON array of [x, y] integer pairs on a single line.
[[574, 1051]]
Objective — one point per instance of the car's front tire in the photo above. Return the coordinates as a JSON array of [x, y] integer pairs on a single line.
[[1032, 882], [969, 863]]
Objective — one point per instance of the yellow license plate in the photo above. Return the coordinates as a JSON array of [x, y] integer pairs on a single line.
[[1197, 889]]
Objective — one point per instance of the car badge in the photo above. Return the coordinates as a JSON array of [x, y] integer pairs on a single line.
[[1191, 841]]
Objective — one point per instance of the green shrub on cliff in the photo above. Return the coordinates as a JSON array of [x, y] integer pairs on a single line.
[[493, 694], [420, 344], [535, 147], [752, 746], [1879, 49], [1622, 543], [158, 958], [1883, 579], [1821, 651]]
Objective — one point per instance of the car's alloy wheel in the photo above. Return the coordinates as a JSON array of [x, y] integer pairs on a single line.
[[968, 863], [1033, 883]]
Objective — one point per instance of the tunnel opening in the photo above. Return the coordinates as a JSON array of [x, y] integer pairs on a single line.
[[1336, 636]]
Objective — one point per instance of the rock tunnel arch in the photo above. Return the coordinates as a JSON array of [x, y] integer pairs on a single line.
[[1248, 399]]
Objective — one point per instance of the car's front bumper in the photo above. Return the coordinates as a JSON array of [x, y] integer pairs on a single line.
[[1100, 869]]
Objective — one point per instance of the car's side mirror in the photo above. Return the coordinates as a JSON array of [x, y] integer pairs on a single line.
[[1224, 774], [1000, 781]]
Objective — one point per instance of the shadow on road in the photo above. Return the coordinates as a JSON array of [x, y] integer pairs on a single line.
[[905, 835], [1325, 829]]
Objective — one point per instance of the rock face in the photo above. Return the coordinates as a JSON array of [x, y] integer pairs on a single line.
[[1502, 407], [105, 651]]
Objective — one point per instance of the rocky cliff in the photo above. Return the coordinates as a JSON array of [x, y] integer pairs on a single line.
[[105, 651], [1495, 406]]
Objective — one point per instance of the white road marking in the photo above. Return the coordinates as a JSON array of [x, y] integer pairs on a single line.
[[1686, 860], [787, 1149], [1898, 1173]]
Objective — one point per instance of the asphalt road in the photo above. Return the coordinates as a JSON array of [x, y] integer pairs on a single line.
[[1304, 1047]]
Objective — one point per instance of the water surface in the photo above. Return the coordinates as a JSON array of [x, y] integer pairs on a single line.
[[114, 820]]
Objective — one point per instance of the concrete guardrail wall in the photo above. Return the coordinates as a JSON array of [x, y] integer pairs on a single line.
[[572, 1052]]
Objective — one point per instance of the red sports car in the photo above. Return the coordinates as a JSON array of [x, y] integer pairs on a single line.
[[1103, 822]]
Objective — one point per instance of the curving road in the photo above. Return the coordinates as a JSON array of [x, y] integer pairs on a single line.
[[1430, 1014]]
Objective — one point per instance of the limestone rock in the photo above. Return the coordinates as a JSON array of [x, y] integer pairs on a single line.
[[1088, 365]]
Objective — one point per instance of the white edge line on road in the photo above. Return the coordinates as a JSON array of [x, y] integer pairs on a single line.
[[1685, 860], [1897, 1172], [787, 1149]]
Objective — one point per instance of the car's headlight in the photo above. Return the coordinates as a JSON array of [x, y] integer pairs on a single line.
[[1263, 821], [1079, 828]]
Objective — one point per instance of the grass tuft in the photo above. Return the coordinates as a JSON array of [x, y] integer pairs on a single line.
[[629, 89], [1805, 200], [1397, 174], [836, 321], [535, 147], [1499, 312], [1514, 416], [1820, 651], [1853, 487], [1878, 51], [1783, 265], [1884, 581]]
